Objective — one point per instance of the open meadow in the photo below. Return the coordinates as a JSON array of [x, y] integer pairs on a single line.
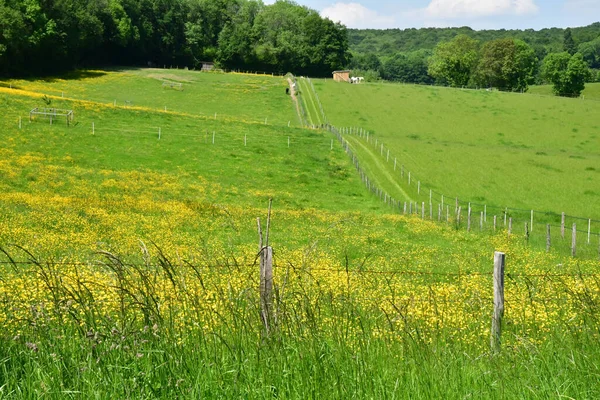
[[499, 149], [129, 248]]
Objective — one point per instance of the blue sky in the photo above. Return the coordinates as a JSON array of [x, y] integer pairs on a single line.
[[478, 14]]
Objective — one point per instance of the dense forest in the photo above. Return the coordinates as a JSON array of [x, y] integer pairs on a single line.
[[49, 36], [424, 55]]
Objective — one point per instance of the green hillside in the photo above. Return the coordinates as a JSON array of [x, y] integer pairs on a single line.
[[499, 149], [129, 246]]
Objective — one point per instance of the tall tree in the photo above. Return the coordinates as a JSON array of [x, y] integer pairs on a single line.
[[507, 64], [568, 42], [454, 61], [567, 73]]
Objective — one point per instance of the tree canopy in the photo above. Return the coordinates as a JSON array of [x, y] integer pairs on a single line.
[[44, 37]]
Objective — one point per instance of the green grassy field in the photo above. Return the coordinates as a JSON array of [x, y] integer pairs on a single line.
[[499, 149], [591, 92], [128, 263], [250, 98]]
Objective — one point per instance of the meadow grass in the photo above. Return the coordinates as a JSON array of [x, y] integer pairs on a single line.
[[499, 149], [129, 269], [251, 98], [591, 91]]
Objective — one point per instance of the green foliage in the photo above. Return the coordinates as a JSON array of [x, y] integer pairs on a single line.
[[507, 64], [45, 37], [409, 68], [567, 73], [454, 61], [568, 42]]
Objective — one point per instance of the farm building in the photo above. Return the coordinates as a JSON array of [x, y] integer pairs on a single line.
[[341, 76]]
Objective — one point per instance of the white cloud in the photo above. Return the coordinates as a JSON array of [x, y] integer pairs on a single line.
[[355, 15], [479, 8]]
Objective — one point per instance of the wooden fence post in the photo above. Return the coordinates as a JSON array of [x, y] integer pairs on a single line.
[[423, 210], [531, 226], [526, 233], [562, 226], [469, 219], [495, 222], [458, 217], [548, 239], [509, 226], [440, 209], [481, 222], [574, 241], [589, 231], [266, 287], [499, 265]]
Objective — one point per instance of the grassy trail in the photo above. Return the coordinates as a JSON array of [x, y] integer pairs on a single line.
[[377, 169], [309, 103]]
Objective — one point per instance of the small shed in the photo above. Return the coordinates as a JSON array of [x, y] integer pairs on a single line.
[[341, 76], [208, 66]]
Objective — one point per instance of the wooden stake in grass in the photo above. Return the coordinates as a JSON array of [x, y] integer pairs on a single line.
[[458, 217], [404, 208], [213, 142], [423, 210], [509, 226], [531, 227], [499, 266], [574, 241], [589, 231], [562, 226], [495, 222], [158, 133], [469, 219], [526, 233], [440, 209], [548, 239], [481, 222]]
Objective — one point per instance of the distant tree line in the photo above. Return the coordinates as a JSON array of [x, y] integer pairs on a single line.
[[50, 36], [506, 60]]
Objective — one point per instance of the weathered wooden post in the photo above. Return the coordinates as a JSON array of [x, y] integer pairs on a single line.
[[481, 222], [495, 222], [509, 226], [469, 219], [574, 241], [531, 226], [548, 239], [404, 208], [562, 226], [526, 233], [499, 266], [589, 231], [423, 210], [440, 209], [458, 217]]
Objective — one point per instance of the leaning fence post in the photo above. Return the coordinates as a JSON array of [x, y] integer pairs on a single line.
[[499, 265]]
